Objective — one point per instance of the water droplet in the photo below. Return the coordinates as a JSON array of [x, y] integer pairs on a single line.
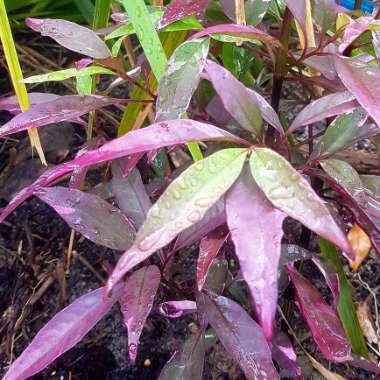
[[147, 243], [212, 168], [294, 177], [193, 182], [310, 196], [281, 193], [199, 166], [176, 194], [182, 183], [205, 202], [194, 217]]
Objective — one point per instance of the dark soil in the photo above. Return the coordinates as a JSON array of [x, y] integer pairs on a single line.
[[34, 285]]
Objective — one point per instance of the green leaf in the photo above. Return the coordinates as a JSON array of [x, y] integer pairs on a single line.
[[180, 80], [291, 192], [9, 50], [68, 73], [341, 133], [86, 8], [344, 174], [101, 14], [187, 23], [147, 35], [184, 203], [255, 11], [346, 308]]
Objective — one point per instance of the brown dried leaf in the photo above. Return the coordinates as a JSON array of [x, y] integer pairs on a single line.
[[324, 371], [366, 322]]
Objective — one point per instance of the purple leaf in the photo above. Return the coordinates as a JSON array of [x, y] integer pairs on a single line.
[[68, 107], [363, 82], [181, 79], [290, 192], [258, 251], [322, 320], [179, 9], [234, 30], [71, 36], [267, 111], [324, 13], [208, 250], [188, 362], [298, 10], [283, 353], [184, 203], [235, 97], [328, 269], [136, 303], [176, 309], [323, 108], [241, 336], [11, 104], [324, 64], [142, 140], [62, 332], [213, 218], [130, 194], [90, 215]]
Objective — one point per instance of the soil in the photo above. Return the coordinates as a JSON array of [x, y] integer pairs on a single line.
[[33, 259]]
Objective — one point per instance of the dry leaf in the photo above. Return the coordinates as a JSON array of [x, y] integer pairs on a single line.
[[360, 245], [366, 322], [324, 371]]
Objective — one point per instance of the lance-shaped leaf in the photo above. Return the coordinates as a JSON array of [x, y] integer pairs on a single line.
[[324, 64], [68, 73], [324, 13], [298, 10], [142, 140], [213, 218], [235, 97], [291, 193], [11, 104], [130, 194], [322, 108], [346, 308], [208, 250], [66, 107], [283, 353], [342, 132], [184, 203], [90, 215], [241, 32], [322, 320], [181, 78], [345, 175], [62, 332], [241, 336], [267, 111], [188, 362], [258, 251], [255, 10], [140, 288], [363, 82], [179, 9], [71, 36], [176, 309]]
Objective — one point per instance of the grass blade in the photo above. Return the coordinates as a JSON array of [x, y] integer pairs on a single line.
[[16, 75], [101, 14], [346, 308], [147, 35]]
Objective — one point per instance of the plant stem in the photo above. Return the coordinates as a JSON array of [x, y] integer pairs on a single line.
[[280, 70]]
